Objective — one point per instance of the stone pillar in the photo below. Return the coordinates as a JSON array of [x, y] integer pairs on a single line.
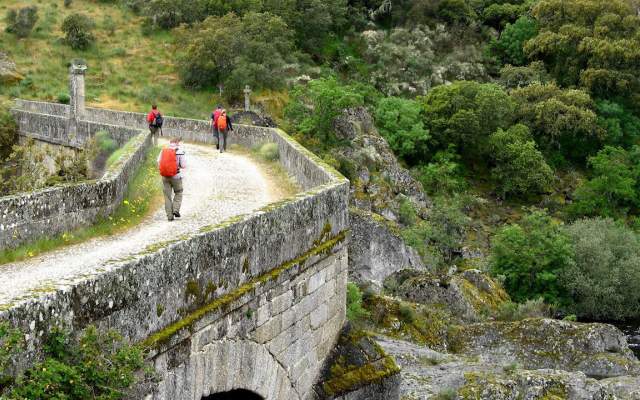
[[76, 101], [247, 98]]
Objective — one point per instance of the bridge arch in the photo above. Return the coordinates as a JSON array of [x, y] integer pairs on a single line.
[[232, 368]]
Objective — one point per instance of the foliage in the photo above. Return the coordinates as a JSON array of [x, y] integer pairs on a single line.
[[456, 11], [532, 256], [77, 29], [407, 212], [535, 308], [11, 343], [562, 121], [21, 22], [443, 174], [466, 114], [604, 282], [167, 14], [515, 77], [520, 168], [8, 133], [621, 125], [613, 189], [355, 312], [256, 50], [269, 152], [410, 61], [509, 47], [439, 239], [499, 14], [591, 43], [99, 366], [400, 122], [314, 107]]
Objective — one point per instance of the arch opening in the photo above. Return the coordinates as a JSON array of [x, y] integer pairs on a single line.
[[238, 394]]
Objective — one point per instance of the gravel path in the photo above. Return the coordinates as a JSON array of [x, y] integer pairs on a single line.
[[216, 187]]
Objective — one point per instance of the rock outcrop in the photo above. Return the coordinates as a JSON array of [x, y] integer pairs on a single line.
[[8, 73]]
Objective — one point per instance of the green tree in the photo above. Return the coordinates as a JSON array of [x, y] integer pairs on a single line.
[[561, 120], [509, 47], [77, 30], [314, 107], [520, 168], [532, 256], [8, 133], [613, 189], [317, 20], [456, 11], [256, 49], [591, 43], [443, 174], [400, 122], [465, 114], [604, 281], [621, 125], [516, 77], [21, 22]]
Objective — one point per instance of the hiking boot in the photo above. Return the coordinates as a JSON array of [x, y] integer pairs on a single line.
[[176, 214], [170, 219]]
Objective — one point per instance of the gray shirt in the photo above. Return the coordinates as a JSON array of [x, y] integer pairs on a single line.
[[181, 158]]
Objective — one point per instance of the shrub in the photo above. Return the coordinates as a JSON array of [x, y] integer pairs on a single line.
[[269, 152], [536, 308], [509, 47], [355, 312], [64, 98], [456, 11], [8, 133], [531, 256], [67, 3], [443, 175], [407, 212], [100, 365], [77, 29], [407, 312], [516, 77], [22, 21], [400, 122], [604, 281], [621, 125], [613, 188], [520, 168]]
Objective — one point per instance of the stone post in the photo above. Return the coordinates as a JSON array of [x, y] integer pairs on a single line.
[[247, 98], [76, 101]]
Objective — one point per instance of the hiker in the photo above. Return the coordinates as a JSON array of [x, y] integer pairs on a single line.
[[214, 124], [171, 162], [155, 120], [224, 126]]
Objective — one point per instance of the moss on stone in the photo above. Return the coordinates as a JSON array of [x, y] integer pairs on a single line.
[[163, 336], [159, 310]]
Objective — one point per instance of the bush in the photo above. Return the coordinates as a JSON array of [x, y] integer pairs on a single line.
[[456, 11], [407, 212], [21, 22], [407, 312], [443, 175], [509, 47], [355, 312], [269, 152], [520, 168], [621, 125], [604, 281], [64, 98], [531, 257], [516, 77], [8, 133], [400, 122], [535, 308], [100, 365], [67, 3], [77, 29]]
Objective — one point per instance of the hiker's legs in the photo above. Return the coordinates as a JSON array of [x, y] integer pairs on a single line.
[[154, 135], [167, 189], [223, 145], [177, 189], [216, 135]]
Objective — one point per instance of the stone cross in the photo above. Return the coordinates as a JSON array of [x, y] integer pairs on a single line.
[[247, 98], [76, 101]]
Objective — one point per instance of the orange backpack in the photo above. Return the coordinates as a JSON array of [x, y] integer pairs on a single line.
[[168, 162], [222, 123]]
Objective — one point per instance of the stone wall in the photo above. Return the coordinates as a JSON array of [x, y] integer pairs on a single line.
[[28, 216], [274, 278]]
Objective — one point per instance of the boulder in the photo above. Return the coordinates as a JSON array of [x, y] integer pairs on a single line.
[[598, 350], [8, 73], [376, 249]]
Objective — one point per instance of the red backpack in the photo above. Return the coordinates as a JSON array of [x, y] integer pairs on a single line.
[[168, 162], [222, 123]]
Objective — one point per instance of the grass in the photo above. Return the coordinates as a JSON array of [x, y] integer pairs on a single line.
[[121, 151], [283, 184], [143, 195], [126, 69]]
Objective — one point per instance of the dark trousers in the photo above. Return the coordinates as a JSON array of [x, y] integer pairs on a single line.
[[222, 140]]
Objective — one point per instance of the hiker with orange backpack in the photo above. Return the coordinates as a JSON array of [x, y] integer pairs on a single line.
[[170, 163], [223, 123], [155, 120], [215, 114]]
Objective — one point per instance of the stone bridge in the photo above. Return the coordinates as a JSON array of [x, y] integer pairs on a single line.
[[251, 304]]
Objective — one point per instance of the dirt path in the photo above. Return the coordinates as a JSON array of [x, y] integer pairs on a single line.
[[216, 187]]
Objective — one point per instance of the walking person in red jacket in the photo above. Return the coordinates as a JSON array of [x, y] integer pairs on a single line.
[[171, 162], [155, 120], [224, 126]]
